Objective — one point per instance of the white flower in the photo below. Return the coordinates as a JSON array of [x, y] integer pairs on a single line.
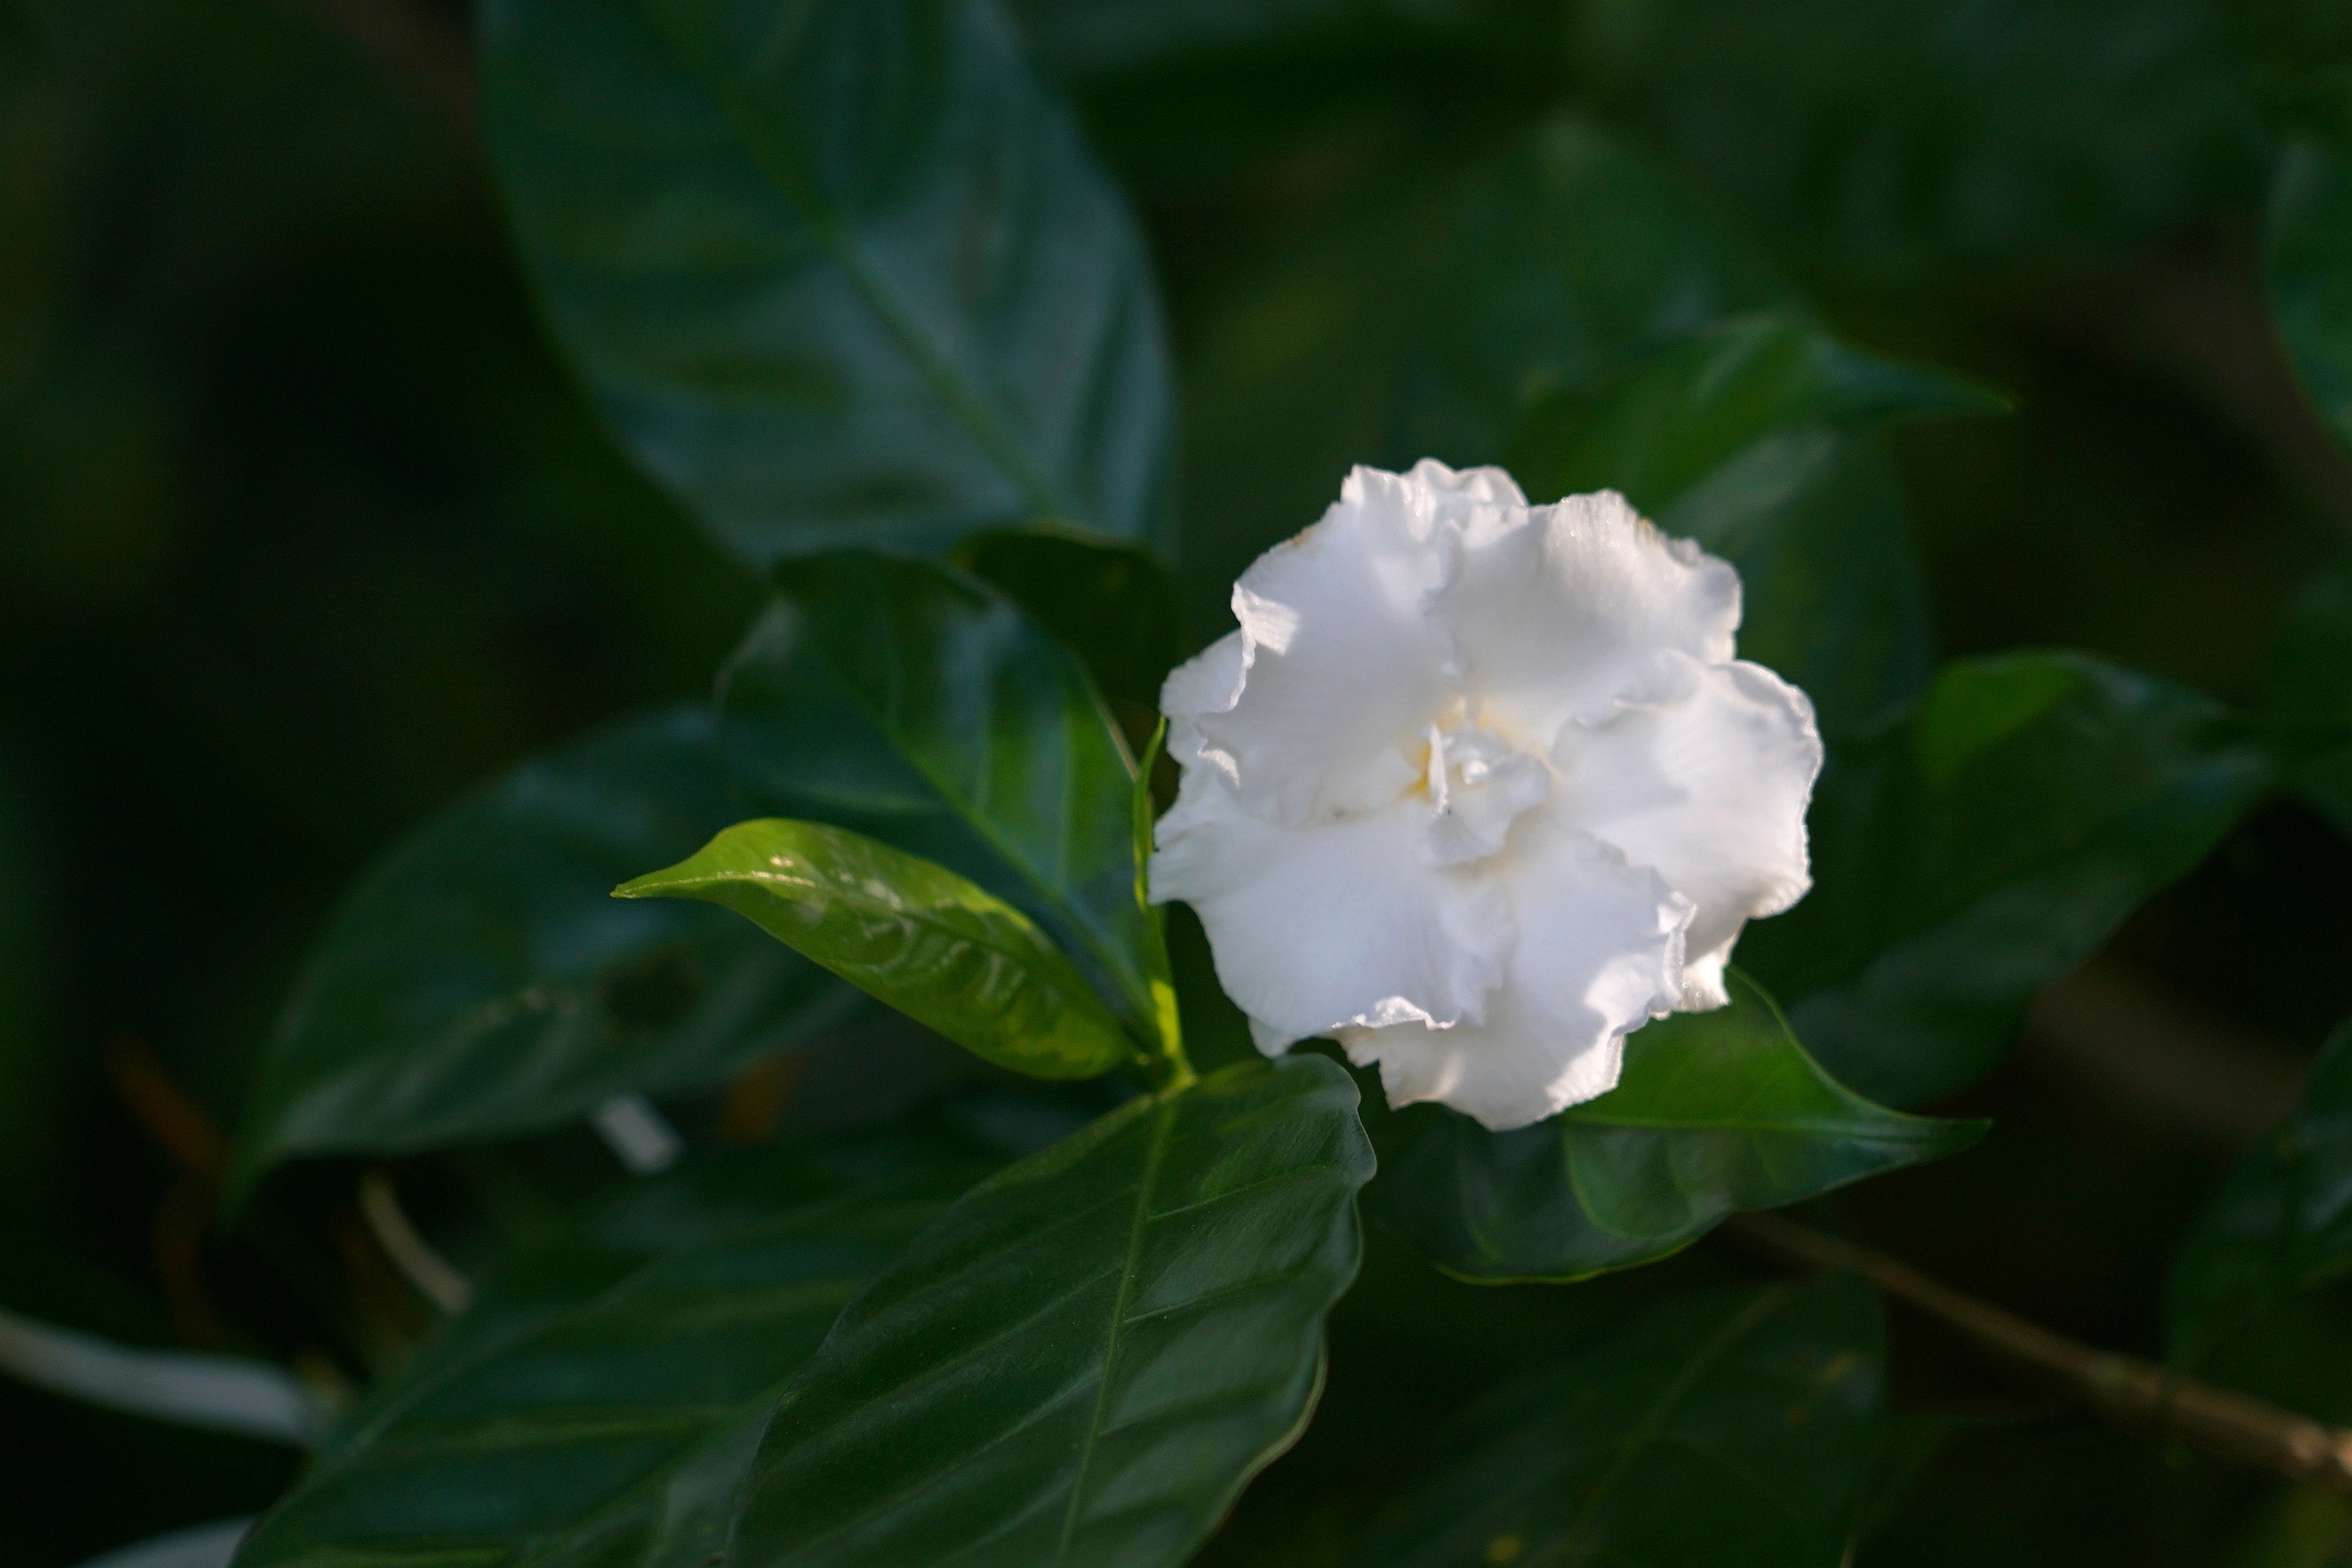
[[1477, 787]]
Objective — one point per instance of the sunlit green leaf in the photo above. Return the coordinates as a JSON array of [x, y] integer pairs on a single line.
[[915, 705], [2282, 1221], [1732, 1427], [1715, 1113], [1750, 438], [1968, 855], [1085, 1359], [479, 980], [604, 1397], [838, 272], [909, 932]]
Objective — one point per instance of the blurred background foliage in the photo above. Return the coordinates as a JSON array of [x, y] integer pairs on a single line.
[[303, 529]]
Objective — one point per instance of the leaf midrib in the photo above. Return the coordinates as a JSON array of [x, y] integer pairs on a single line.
[[782, 164], [1106, 952], [1661, 1410], [1163, 1124]]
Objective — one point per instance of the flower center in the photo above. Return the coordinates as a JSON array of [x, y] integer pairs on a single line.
[[1479, 783]]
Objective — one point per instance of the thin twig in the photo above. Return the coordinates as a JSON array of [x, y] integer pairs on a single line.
[[2125, 1389], [434, 1277]]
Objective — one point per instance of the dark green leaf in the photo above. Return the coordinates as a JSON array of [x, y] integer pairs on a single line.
[[2282, 1221], [1087, 1359], [1968, 855], [1899, 136], [2308, 680], [1101, 37], [1112, 604], [602, 1398], [1748, 438], [911, 933], [1671, 421], [479, 980], [915, 705], [1572, 257], [2308, 260], [1732, 1427], [1715, 1113], [2309, 685], [838, 272]]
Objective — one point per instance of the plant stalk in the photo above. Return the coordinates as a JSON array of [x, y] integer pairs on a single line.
[[2125, 1390]]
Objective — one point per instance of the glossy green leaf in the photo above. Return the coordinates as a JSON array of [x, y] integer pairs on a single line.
[[1749, 438], [602, 1398], [2281, 1223], [916, 705], [2307, 260], [1732, 1427], [1114, 606], [1572, 257], [1087, 1359], [911, 933], [837, 272], [1715, 1113], [1968, 855], [479, 980]]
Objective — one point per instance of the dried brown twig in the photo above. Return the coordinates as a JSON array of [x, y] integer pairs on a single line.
[[2125, 1389]]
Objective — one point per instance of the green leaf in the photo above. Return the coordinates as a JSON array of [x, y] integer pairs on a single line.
[[1732, 1427], [910, 933], [2282, 1221], [1715, 1113], [1968, 855], [2309, 685], [1667, 424], [2307, 678], [2308, 259], [1087, 1358], [1572, 257], [837, 272], [602, 1398], [1106, 37], [1168, 1016], [479, 980], [1750, 438], [1112, 604], [1940, 136], [915, 705]]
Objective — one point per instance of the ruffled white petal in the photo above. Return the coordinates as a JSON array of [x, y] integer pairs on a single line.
[[1702, 774], [1599, 954], [1554, 612], [1313, 708], [1322, 926]]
